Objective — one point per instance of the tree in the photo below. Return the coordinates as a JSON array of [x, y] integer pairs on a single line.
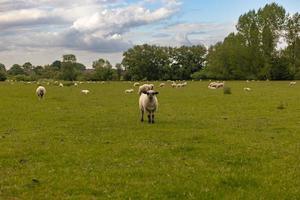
[[56, 65], [119, 70], [68, 71], [102, 70], [16, 70], [69, 58], [2, 72]]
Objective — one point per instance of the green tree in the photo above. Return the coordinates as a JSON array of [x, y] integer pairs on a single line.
[[16, 70], [3, 75], [69, 58], [68, 71], [102, 70]]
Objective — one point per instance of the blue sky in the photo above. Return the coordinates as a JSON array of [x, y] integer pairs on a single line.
[[41, 31]]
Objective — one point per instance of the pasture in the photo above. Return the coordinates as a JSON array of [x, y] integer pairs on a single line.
[[204, 144]]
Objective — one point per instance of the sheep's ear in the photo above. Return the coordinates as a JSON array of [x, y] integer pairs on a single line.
[[156, 92], [144, 92]]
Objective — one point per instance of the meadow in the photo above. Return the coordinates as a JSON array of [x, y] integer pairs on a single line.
[[204, 144]]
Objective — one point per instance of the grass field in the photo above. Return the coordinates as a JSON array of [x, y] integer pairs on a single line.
[[204, 144]]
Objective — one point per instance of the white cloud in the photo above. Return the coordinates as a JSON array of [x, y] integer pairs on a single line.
[[192, 34], [99, 26]]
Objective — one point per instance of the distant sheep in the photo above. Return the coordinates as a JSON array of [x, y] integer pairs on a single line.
[[85, 91], [173, 84], [292, 83], [61, 85], [215, 85], [145, 88], [76, 84], [162, 85], [136, 84], [40, 91], [129, 91], [247, 89], [148, 102]]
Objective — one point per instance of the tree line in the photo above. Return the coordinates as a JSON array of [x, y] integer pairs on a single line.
[[266, 45]]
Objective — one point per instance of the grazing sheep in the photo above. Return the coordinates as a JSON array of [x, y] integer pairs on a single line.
[[247, 89], [179, 85], [148, 102], [173, 84], [136, 84], [292, 83], [215, 85], [129, 91], [40, 91], [145, 88], [162, 85], [184, 84], [76, 84], [213, 88], [61, 85], [85, 91]]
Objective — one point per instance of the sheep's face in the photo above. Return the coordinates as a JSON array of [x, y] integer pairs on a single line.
[[150, 94]]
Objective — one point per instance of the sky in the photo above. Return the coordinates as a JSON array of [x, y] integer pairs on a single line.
[[41, 31]]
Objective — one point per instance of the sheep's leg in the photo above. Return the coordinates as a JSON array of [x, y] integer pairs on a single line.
[[142, 119], [152, 118], [149, 117]]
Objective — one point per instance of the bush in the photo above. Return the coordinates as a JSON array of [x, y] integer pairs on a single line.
[[22, 77], [3, 76], [227, 90]]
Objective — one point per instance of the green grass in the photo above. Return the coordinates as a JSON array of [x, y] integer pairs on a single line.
[[204, 144]]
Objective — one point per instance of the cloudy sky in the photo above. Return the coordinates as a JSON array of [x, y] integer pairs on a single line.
[[41, 31]]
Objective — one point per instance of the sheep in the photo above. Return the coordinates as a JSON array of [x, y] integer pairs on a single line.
[[85, 91], [148, 102], [136, 84], [247, 89], [162, 85], [173, 84], [76, 84], [145, 88], [61, 85], [292, 83], [184, 84], [179, 85], [129, 91], [215, 85], [40, 91]]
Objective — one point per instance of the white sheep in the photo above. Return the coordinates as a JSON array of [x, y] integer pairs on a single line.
[[40, 91], [247, 89], [173, 84], [61, 85], [148, 102], [215, 85], [136, 84], [179, 85], [76, 84], [292, 83], [162, 85], [85, 91], [129, 91], [145, 88]]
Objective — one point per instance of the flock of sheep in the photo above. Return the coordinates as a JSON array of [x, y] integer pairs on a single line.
[[148, 101]]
